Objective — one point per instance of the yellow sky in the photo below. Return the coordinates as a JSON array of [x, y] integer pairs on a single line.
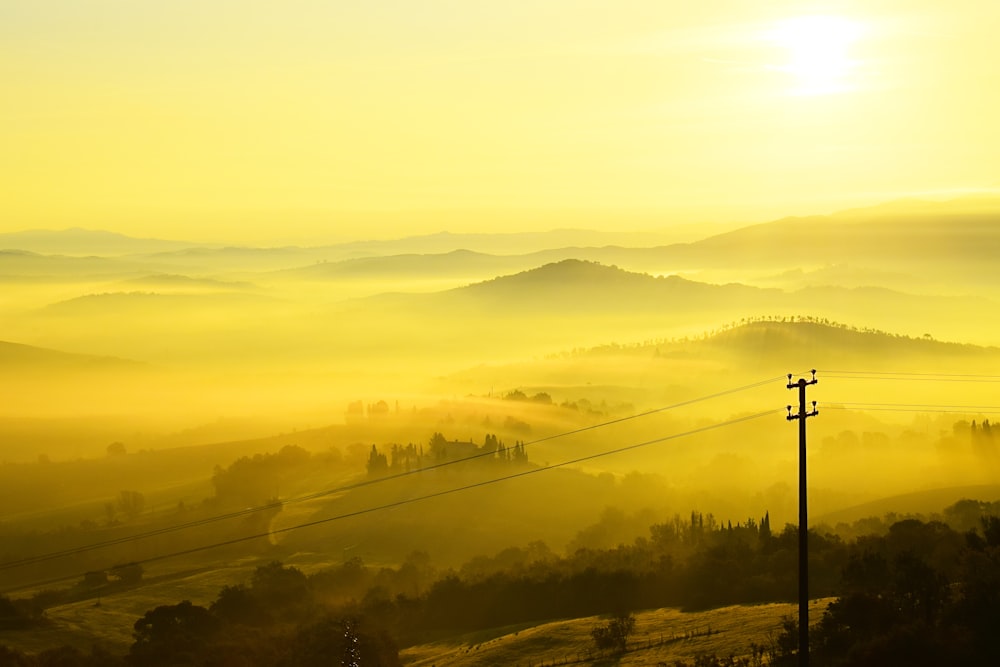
[[247, 120]]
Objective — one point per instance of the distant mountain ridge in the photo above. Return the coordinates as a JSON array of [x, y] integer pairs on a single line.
[[19, 357], [502, 243], [455, 262], [909, 236], [21, 264], [79, 242], [907, 239], [176, 281]]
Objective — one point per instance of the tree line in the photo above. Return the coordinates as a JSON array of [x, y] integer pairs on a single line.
[[921, 593], [398, 458]]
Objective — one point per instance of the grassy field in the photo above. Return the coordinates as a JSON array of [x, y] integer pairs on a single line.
[[108, 620], [661, 637]]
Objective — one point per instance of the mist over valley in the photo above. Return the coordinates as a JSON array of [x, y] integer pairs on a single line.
[[394, 418]]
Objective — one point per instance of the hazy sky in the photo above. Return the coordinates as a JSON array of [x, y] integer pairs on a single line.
[[261, 120]]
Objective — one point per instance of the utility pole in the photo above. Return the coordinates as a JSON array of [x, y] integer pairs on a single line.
[[803, 515]]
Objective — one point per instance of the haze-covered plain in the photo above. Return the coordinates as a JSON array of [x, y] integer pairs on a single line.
[[200, 409]]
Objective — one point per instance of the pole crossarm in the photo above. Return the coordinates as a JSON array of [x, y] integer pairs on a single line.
[[801, 416]]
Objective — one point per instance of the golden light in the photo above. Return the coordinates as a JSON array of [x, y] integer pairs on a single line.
[[818, 52]]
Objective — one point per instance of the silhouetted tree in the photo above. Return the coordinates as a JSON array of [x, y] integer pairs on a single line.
[[278, 586], [238, 605], [614, 636], [130, 503], [17, 614], [377, 464], [765, 528], [172, 635], [438, 447]]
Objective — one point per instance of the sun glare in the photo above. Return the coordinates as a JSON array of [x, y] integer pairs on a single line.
[[817, 52]]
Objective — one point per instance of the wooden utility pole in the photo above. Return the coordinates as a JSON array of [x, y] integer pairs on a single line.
[[803, 515]]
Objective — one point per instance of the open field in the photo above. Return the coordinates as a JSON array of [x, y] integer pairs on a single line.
[[661, 636]]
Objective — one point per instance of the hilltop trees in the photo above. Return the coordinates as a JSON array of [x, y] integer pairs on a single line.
[[441, 450], [377, 463], [130, 503], [983, 442]]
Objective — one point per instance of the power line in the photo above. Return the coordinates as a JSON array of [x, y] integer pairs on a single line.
[[903, 376], [912, 373], [356, 485], [920, 410], [915, 405], [908, 379], [428, 496]]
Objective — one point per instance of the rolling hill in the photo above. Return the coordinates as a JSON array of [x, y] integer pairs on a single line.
[[896, 240], [574, 284], [129, 304], [177, 282], [18, 358], [18, 265], [85, 242], [460, 263], [608, 295]]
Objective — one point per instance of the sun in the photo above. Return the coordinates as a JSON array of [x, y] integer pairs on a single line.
[[817, 52]]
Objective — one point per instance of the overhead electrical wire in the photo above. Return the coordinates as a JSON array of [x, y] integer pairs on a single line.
[[909, 379], [973, 408], [860, 407], [912, 373], [428, 496], [907, 376], [30, 560]]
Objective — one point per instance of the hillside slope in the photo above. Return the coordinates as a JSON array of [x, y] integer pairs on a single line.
[[662, 636]]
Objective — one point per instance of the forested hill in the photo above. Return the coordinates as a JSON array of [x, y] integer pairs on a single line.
[[612, 300], [816, 344], [802, 333], [591, 285], [770, 341]]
